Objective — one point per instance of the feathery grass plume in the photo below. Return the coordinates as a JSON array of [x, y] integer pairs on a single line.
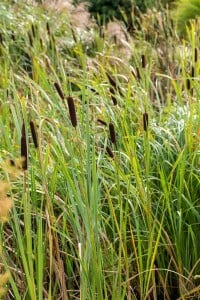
[[145, 121], [143, 59], [102, 122], [34, 134], [59, 90], [109, 151], [188, 84], [72, 111], [6, 203], [24, 149], [12, 167], [3, 280], [114, 99], [112, 133], [195, 55]]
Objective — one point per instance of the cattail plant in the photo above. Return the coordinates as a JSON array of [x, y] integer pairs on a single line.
[[109, 151], [112, 133], [143, 59], [24, 149], [145, 121], [195, 55], [102, 122], [72, 111], [114, 99], [48, 29], [34, 134], [192, 72], [1, 38], [188, 84], [114, 84], [59, 90], [30, 37]]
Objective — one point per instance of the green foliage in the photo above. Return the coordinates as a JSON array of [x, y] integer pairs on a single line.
[[108, 208], [186, 11]]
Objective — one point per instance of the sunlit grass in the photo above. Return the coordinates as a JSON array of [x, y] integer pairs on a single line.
[[109, 205]]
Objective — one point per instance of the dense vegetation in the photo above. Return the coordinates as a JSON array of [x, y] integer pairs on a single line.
[[100, 158]]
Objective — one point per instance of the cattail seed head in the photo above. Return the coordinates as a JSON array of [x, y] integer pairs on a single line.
[[145, 121], [24, 153], [111, 80], [23, 132], [112, 133], [188, 84], [24, 150], [34, 134], [48, 28], [114, 99], [109, 151], [59, 90], [33, 30], [30, 38], [102, 122], [143, 61], [138, 76], [72, 111], [1, 38], [195, 55], [192, 72]]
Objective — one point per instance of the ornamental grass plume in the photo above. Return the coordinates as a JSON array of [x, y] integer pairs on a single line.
[[6, 202]]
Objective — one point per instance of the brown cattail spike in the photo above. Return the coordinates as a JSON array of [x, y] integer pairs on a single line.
[[30, 38], [102, 122], [192, 72], [114, 99], [72, 111], [113, 83], [188, 84], [138, 74], [34, 134], [33, 30], [23, 133], [109, 151], [59, 90], [145, 121], [1, 39], [112, 133], [12, 162], [143, 61], [24, 150], [195, 55], [48, 28]]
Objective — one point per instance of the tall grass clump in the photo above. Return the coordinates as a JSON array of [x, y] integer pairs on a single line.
[[105, 195]]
